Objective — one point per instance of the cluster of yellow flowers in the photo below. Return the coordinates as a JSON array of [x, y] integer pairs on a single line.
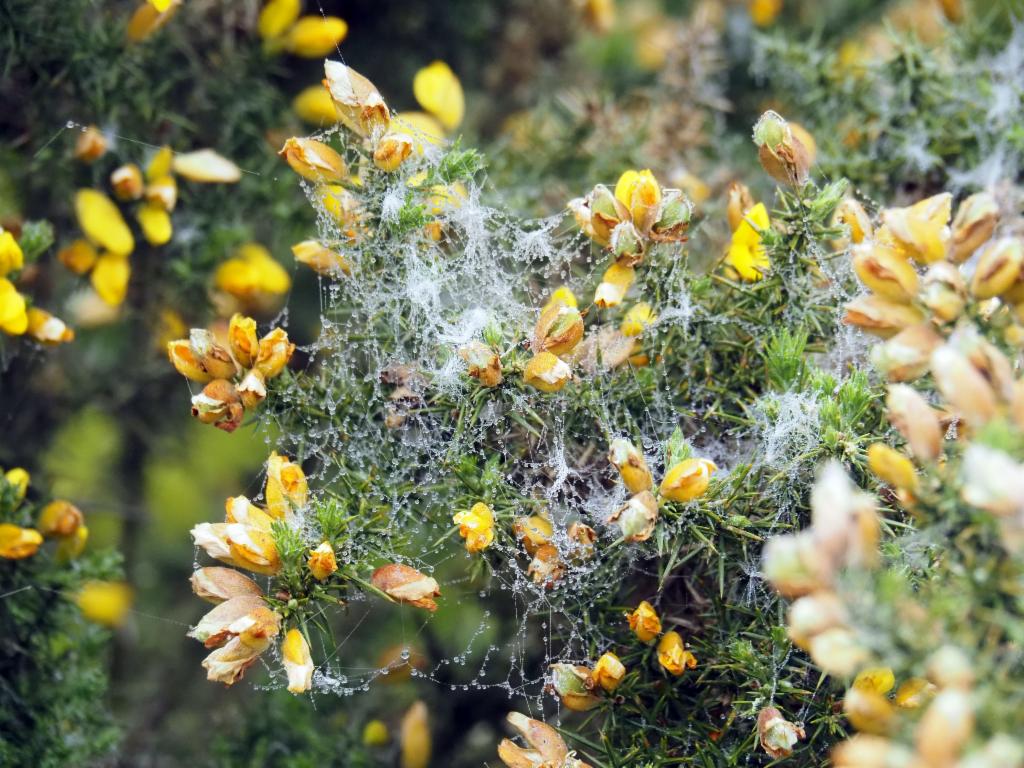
[[673, 656], [108, 242], [284, 29], [17, 317], [235, 375]]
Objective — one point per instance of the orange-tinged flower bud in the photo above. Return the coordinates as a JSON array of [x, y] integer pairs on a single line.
[[573, 685], [922, 229], [322, 562], [275, 352], [644, 622], [534, 531], [625, 457], [185, 361], [851, 214], [637, 517], [219, 404], [546, 567], [582, 539], [913, 418], [90, 145], [47, 329], [110, 278], [547, 372], [102, 222], [893, 467], [615, 282], [360, 105], [687, 480], [672, 654], [414, 736], [608, 672], [885, 272], [320, 258], [392, 150], [482, 363], [298, 663], [907, 355], [227, 619], [558, 330], [868, 711], [974, 223], [79, 256], [206, 166], [879, 316], [126, 181], [147, 19], [476, 526], [216, 584], [105, 602], [314, 37], [407, 585], [314, 160], [243, 340], [287, 488], [17, 543], [214, 359], [777, 735], [913, 692], [60, 518], [998, 268]]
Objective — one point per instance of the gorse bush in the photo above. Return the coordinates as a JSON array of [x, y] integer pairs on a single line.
[[664, 430]]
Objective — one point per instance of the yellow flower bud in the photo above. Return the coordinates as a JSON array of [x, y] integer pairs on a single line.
[[785, 157], [637, 318], [60, 518], [320, 258], [414, 735], [608, 672], [581, 541], [547, 372], [47, 329], [392, 150], [763, 13], [13, 309], [110, 278], [252, 273], [944, 292], [439, 91], [963, 386], [625, 457], [102, 222], [219, 404], [407, 585], [687, 480], [533, 531], [79, 256], [851, 214], [314, 160], [314, 37], [275, 352], [277, 17], [105, 602], [868, 711], [186, 362], [644, 622], [90, 145], [476, 526], [17, 543], [18, 479], [126, 181], [71, 547], [837, 651], [893, 467], [206, 166], [974, 223], [216, 584], [212, 357], [147, 19], [574, 685], [640, 193], [878, 680], [777, 735], [375, 734], [155, 223], [913, 692], [314, 106], [945, 727], [482, 363], [360, 105], [546, 567], [907, 355], [614, 283], [637, 517], [998, 268], [286, 486], [298, 663], [11, 256], [922, 229], [162, 192], [322, 562], [558, 330], [812, 614], [879, 316], [243, 340], [739, 201], [885, 272], [672, 654], [746, 253]]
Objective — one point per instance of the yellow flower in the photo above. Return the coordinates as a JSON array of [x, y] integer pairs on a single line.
[[162, 192], [482, 363], [878, 680], [60, 518], [155, 223], [147, 19], [358, 102], [439, 91], [13, 314], [999, 267], [17, 543], [476, 526], [320, 258], [687, 480], [242, 339], [886, 272], [562, 295], [637, 517], [277, 17], [72, 546], [105, 602], [406, 585], [126, 181], [892, 466], [574, 684], [286, 486], [558, 330], [322, 562], [640, 192], [534, 531], [672, 654], [547, 372], [414, 735], [79, 256], [206, 166], [243, 627], [913, 692], [625, 457], [297, 661], [764, 12], [922, 229], [608, 672], [746, 251], [110, 278], [313, 160], [375, 734], [638, 317], [314, 37], [252, 272], [851, 214], [392, 150], [11, 256], [90, 145], [18, 479], [102, 223], [867, 710], [614, 283], [275, 352], [644, 622], [314, 106]]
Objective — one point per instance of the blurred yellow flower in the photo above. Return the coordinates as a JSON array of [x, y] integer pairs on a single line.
[[638, 317], [47, 329], [878, 680], [102, 223], [764, 12], [415, 737], [375, 734], [314, 37], [60, 518], [314, 106], [72, 546], [110, 278], [277, 17], [11, 256], [206, 166], [614, 283], [687, 480], [155, 223], [746, 251], [147, 19], [320, 258], [13, 312], [90, 145], [439, 91], [252, 272], [547, 372], [18, 478], [79, 256], [105, 602], [476, 526], [17, 543], [562, 295]]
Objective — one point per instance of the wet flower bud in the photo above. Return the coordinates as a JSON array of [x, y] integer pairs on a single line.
[[559, 329], [974, 223], [782, 154], [885, 272], [392, 150], [640, 193], [534, 532], [217, 584], [219, 404], [893, 467], [672, 654], [90, 145], [998, 268], [17, 543], [868, 711], [546, 567], [687, 480], [811, 615], [879, 316], [627, 244], [608, 672], [674, 217], [739, 202], [917, 421], [625, 457], [482, 363], [407, 585], [252, 389], [126, 181], [944, 292], [614, 283], [913, 692], [360, 105], [59, 518], [562, 295], [298, 664], [945, 727], [851, 214], [582, 539], [476, 526], [837, 651], [287, 488], [777, 735], [639, 317], [320, 258], [963, 387], [922, 229], [211, 356], [644, 622], [574, 685], [547, 372], [243, 340], [314, 160], [637, 517], [275, 352], [322, 562]]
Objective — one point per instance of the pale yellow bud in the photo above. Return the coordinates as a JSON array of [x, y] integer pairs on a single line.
[[879, 316], [975, 221], [547, 372], [314, 160], [998, 268], [608, 672], [625, 457], [637, 517], [885, 272], [907, 355], [687, 480], [392, 150], [944, 292], [917, 421]]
